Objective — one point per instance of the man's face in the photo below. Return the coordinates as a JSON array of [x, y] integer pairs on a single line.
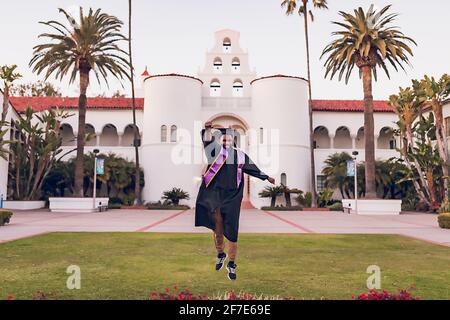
[[227, 141]]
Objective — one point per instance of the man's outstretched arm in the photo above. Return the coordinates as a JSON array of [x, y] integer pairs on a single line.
[[252, 170]]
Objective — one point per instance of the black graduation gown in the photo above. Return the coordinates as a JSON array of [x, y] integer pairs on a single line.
[[223, 192]]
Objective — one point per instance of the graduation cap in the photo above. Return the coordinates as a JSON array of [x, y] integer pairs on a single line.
[[224, 131]]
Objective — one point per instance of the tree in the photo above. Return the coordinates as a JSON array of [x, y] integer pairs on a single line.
[[273, 193], [175, 195], [303, 10], [369, 41], [35, 152], [335, 172], [90, 45], [136, 142], [435, 93], [8, 75], [35, 89]]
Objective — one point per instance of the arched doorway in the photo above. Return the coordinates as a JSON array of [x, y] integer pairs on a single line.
[[228, 120]]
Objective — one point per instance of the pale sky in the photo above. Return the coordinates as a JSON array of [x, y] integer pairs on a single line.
[[173, 36]]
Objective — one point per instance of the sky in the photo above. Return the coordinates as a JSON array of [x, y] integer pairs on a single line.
[[173, 37]]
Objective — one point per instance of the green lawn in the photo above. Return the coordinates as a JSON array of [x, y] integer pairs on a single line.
[[132, 265]]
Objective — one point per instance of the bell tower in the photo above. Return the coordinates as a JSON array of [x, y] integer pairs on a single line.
[[227, 72]]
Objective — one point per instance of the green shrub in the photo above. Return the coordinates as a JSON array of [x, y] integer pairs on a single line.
[[305, 200], [165, 206], [336, 207], [444, 220], [5, 217]]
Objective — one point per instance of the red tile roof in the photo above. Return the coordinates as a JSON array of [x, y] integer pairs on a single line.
[[349, 106], [45, 103]]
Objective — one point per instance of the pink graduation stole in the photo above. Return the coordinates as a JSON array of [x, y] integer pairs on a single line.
[[219, 163]]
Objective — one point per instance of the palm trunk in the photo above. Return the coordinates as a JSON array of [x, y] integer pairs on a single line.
[[311, 129], [441, 143], [371, 192], [5, 105], [137, 187], [273, 201], [81, 138]]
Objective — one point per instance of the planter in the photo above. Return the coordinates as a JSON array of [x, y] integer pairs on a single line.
[[378, 207], [23, 205], [81, 205]]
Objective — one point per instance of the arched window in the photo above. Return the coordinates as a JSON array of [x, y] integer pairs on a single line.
[[360, 139], [261, 135], [385, 139], [164, 134], [215, 88], [238, 88], [67, 135], [284, 179], [321, 138], [128, 136], [236, 65], [109, 136], [173, 134], [92, 136], [226, 45], [342, 140], [218, 65]]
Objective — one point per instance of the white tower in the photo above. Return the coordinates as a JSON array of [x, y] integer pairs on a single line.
[[171, 111]]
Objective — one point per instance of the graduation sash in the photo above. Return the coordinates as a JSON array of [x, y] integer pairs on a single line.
[[219, 163]]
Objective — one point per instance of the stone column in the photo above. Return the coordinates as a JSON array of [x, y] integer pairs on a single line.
[[97, 137], [332, 135]]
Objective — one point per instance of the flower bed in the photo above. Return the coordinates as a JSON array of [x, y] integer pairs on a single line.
[[384, 295]]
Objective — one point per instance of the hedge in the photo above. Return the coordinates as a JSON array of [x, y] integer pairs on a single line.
[[444, 220], [5, 216]]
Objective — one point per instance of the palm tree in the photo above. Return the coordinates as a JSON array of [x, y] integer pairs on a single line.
[[175, 195], [273, 193], [335, 172], [291, 7], [90, 45], [8, 76], [368, 41], [137, 188]]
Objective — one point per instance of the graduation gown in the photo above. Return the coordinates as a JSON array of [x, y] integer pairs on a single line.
[[223, 192]]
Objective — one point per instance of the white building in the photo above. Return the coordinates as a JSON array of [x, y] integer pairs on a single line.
[[270, 113]]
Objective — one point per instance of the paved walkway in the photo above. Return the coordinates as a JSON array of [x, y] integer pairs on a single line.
[[420, 226]]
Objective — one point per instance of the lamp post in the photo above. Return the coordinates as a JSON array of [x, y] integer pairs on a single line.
[[96, 152], [355, 154]]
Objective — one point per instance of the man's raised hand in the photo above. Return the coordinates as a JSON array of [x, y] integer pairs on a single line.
[[271, 180]]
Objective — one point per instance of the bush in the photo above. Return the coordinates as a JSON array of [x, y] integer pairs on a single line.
[[336, 207], [444, 220], [305, 200], [165, 206], [5, 217], [175, 195]]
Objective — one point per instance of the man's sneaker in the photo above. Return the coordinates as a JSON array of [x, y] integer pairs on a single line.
[[220, 262], [231, 267]]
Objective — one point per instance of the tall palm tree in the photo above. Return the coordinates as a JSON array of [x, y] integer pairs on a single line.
[[302, 7], [92, 44], [136, 143], [8, 75], [369, 40]]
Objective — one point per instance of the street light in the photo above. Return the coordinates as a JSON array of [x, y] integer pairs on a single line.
[[96, 152], [355, 155]]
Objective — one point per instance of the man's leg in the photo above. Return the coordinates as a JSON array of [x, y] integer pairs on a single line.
[[232, 250], [219, 240]]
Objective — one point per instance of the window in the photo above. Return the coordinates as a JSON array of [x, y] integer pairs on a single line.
[[238, 88], [321, 183], [261, 135], [163, 134], [236, 65], [173, 134], [215, 88], [392, 144], [218, 65], [284, 179], [227, 45]]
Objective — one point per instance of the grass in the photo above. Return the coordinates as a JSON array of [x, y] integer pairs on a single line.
[[132, 265]]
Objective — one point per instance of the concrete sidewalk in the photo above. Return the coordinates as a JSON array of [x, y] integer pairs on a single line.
[[420, 226]]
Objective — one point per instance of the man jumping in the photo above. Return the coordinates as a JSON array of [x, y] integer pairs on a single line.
[[220, 197]]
